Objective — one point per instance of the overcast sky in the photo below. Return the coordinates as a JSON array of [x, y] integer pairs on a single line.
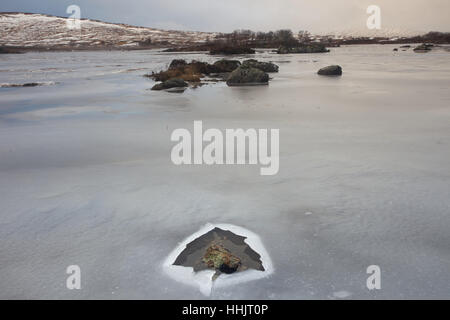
[[317, 16]]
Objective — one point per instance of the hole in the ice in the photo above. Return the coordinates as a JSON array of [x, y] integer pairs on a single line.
[[220, 250]]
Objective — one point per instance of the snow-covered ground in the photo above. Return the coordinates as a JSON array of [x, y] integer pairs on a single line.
[[37, 30], [86, 176]]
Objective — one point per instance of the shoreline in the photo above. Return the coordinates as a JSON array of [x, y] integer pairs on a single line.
[[19, 49]]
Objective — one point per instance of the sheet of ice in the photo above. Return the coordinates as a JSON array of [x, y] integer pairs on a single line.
[[367, 154]]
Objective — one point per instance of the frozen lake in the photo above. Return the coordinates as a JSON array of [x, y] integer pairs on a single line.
[[86, 176]]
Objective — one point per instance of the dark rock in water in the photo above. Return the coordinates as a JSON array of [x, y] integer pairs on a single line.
[[219, 250], [247, 76], [176, 90], [405, 46], [424, 47], [177, 63], [168, 84], [303, 48], [24, 85], [331, 71], [263, 66], [192, 48], [6, 50], [227, 49], [226, 65], [395, 49]]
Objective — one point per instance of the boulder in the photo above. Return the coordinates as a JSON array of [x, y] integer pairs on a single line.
[[224, 65], [177, 63], [247, 76], [263, 66], [168, 84], [331, 71]]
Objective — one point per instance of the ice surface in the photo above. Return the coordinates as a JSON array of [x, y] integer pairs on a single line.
[[86, 176]]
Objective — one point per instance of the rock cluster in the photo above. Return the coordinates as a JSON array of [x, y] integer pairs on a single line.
[[250, 72], [195, 70]]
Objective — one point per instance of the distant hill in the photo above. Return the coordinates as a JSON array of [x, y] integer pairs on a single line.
[[29, 31], [44, 32]]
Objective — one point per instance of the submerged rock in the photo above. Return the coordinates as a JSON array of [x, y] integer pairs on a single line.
[[6, 50], [263, 66], [169, 84], [303, 48], [229, 49], [247, 76], [331, 71], [424, 47], [26, 85]]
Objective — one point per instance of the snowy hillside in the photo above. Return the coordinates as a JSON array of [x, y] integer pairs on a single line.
[[42, 31]]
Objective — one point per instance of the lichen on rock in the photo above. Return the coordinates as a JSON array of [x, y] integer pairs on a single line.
[[219, 258]]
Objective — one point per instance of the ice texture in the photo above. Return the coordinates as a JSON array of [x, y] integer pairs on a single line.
[[86, 176]]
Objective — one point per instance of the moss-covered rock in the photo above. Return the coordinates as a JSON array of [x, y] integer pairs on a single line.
[[219, 258], [224, 65], [263, 66], [247, 76]]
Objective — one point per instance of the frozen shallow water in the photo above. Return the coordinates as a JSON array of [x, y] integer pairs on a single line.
[[86, 176]]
